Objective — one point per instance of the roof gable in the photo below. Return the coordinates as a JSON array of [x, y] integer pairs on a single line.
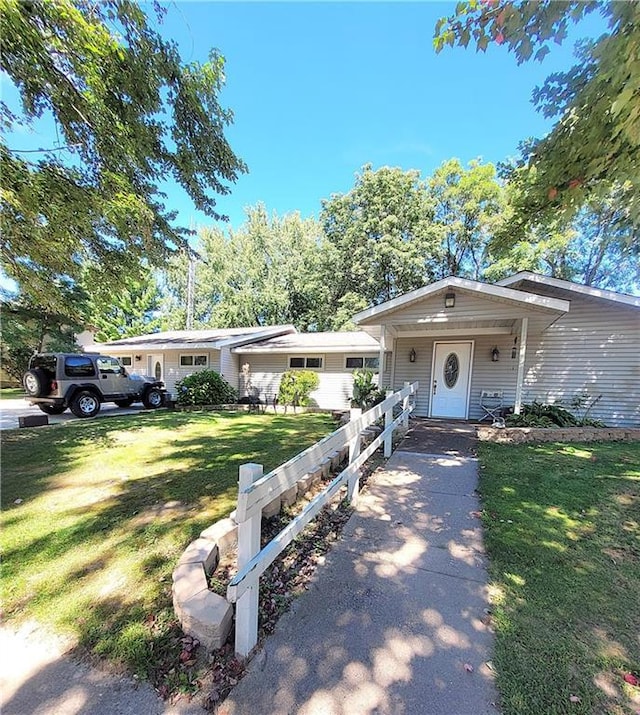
[[483, 290], [600, 293]]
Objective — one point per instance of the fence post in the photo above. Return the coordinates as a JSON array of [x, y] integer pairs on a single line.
[[388, 419], [405, 409], [248, 547], [353, 484]]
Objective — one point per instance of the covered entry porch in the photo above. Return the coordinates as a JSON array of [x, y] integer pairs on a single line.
[[459, 338]]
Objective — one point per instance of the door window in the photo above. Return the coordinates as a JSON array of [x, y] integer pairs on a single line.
[[451, 370]]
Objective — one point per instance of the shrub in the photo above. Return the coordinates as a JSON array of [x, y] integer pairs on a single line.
[[206, 387], [296, 386], [365, 391], [538, 414]]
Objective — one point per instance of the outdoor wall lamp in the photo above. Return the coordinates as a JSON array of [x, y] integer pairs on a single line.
[[514, 351], [495, 355], [449, 300], [412, 355], [138, 358]]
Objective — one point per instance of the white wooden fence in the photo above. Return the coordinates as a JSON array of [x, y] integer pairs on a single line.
[[256, 491]]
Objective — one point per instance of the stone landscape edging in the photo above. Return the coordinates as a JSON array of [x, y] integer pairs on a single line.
[[203, 614], [526, 435]]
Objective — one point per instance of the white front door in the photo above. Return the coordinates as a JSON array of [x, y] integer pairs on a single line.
[[156, 366], [450, 379]]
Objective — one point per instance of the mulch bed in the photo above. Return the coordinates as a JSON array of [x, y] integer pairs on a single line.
[[214, 676]]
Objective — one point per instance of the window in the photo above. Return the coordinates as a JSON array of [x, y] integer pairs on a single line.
[[451, 370], [193, 360], [125, 360], [371, 363], [311, 363], [108, 365], [79, 366]]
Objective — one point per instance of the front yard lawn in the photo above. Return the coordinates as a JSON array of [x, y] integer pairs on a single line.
[[562, 529], [96, 514]]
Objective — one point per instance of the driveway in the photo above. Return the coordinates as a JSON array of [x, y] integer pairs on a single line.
[[11, 410]]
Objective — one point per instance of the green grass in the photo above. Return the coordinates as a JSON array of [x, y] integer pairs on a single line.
[[11, 393], [96, 514], [562, 529]]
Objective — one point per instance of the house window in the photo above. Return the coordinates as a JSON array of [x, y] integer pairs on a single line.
[[193, 361], [310, 363], [125, 360], [353, 362]]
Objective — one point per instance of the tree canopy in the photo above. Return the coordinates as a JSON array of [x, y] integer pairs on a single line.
[[129, 116], [594, 147]]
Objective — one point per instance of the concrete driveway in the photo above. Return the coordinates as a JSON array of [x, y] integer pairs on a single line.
[[11, 410]]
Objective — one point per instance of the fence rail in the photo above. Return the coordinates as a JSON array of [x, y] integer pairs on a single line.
[[257, 490]]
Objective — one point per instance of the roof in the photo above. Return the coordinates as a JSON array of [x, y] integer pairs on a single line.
[[371, 315], [196, 339], [562, 285], [355, 341]]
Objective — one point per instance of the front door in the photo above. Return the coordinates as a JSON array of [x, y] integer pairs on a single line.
[[450, 379], [156, 366]]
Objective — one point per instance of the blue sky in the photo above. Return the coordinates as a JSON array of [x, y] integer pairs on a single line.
[[319, 89]]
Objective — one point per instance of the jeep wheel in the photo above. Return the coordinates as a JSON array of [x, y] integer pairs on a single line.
[[124, 403], [85, 404], [153, 398], [52, 409], [35, 382]]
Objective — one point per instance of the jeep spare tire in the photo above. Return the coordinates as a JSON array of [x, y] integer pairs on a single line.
[[153, 398], [35, 382], [85, 404]]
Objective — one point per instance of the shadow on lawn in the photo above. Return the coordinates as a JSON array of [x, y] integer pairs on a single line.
[[563, 533], [136, 526]]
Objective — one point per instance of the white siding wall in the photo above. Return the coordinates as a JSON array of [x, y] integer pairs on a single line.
[[173, 371], [595, 347], [485, 374], [229, 366], [260, 374]]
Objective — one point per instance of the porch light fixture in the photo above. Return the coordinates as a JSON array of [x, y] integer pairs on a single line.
[[514, 351], [449, 300], [495, 355], [412, 355], [138, 358]]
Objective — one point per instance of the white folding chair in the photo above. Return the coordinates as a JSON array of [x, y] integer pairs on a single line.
[[491, 406]]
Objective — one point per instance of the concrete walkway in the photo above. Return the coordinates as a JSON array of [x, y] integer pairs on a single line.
[[393, 623]]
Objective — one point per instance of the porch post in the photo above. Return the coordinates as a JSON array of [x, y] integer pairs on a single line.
[[383, 340], [521, 358]]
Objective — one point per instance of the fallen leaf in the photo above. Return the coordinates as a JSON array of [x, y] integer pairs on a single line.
[[574, 699], [468, 667], [632, 679], [477, 514]]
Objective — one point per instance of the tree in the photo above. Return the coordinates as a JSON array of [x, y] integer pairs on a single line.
[[594, 248], [264, 273], [468, 205], [133, 310], [380, 237], [595, 144], [28, 329], [129, 115]]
